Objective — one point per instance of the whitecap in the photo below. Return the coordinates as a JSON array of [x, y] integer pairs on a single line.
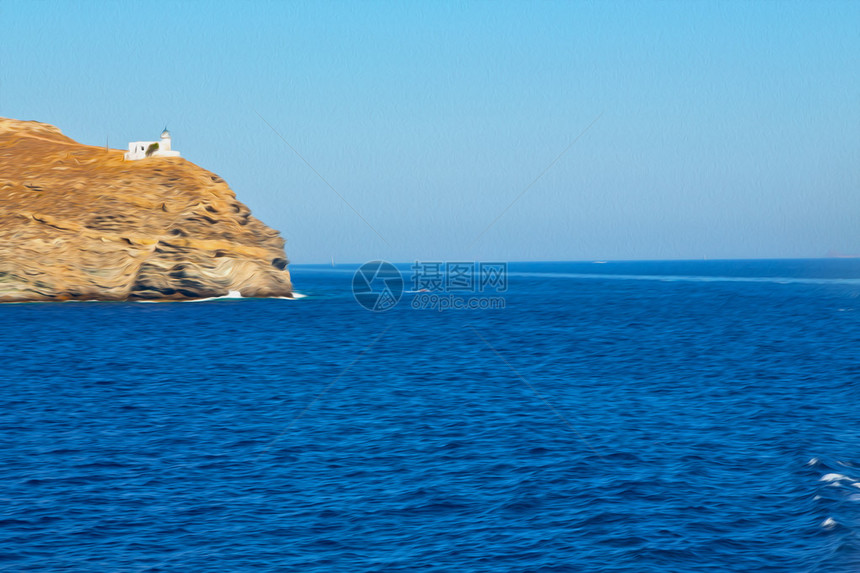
[[812, 462], [829, 523], [689, 278], [236, 295], [834, 477], [207, 299]]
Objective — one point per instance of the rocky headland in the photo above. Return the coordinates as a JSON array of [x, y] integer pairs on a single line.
[[78, 222]]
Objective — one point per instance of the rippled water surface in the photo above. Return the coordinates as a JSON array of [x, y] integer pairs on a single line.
[[612, 417]]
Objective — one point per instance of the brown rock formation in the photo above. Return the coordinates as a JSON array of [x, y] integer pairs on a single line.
[[80, 223]]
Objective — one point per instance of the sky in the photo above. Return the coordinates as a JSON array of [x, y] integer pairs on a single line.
[[506, 131]]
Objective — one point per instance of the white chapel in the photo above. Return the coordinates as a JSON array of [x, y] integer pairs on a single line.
[[144, 149]]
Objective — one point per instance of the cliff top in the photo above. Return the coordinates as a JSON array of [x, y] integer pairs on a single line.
[[73, 214]]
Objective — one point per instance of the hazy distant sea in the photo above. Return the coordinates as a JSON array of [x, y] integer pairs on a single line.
[[692, 416]]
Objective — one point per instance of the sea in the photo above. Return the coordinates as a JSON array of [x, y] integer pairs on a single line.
[[589, 416]]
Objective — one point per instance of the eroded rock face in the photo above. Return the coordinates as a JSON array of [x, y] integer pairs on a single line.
[[80, 223]]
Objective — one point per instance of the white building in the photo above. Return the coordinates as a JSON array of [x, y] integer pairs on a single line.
[[144, 149]]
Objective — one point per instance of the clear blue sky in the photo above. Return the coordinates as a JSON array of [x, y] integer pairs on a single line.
[[728, 130]]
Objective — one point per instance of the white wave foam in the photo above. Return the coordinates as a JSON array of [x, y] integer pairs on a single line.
[[812, 462], [236, 295], [225, 297], [838, 480], [834, 478], [689, 278], [829, 523], [231, 295]]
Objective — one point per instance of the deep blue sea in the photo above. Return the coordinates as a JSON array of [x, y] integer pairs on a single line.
[[644, 416]]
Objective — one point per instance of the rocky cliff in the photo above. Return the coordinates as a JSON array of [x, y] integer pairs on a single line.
[[80, 223]]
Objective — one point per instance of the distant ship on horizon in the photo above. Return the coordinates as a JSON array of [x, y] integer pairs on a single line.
[[837, 255]]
